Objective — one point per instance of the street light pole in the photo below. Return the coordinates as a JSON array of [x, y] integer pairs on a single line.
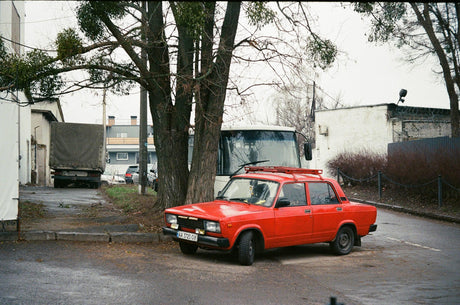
[[143, 124]]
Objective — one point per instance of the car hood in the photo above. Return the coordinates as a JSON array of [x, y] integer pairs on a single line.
[[216, 210]]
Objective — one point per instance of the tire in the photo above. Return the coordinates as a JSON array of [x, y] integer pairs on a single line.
[[187, 248], [344, 241], [246, 249]]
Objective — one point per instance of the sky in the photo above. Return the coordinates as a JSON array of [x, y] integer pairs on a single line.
[[363, 74]]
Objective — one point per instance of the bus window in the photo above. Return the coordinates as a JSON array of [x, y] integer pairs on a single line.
[[237, 147]]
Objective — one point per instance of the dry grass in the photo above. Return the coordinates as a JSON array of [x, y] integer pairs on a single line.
[[30, 210], [138, 208]]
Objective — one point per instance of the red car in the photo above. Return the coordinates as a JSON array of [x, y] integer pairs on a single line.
[[270, 207]]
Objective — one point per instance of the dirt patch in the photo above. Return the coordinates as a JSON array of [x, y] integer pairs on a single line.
[[139, 209]]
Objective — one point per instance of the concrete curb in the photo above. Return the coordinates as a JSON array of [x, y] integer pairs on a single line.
[[409, 211], [116, 237]]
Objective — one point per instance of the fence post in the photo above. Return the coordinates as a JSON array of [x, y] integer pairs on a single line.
[[379, 184], [439, 191]]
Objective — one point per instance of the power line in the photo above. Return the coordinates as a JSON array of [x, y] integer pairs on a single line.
[[26, 46], [38, 21]]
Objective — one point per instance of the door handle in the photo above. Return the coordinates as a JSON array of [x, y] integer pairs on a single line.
[[307, 211], [338, 209]]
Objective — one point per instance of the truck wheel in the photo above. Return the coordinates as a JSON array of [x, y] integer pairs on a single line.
[[344, 241], [187, 248], [246, 249]]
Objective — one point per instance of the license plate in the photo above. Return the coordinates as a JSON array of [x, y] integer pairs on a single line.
[[75, 173], [187, 236]]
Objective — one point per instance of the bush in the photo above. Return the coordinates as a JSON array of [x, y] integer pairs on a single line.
[[421, 166], [359, 166], [415, 171]]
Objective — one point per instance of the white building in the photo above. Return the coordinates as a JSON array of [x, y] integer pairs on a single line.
[[372, 128], [43, 113], [15, 115]]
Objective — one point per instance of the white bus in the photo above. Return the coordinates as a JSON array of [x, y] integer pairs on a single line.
[[263, 145]]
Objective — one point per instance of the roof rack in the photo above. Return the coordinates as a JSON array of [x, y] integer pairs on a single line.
[[284, 170]]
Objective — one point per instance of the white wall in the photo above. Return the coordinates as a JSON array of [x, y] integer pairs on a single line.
[[21, 119], [25, 157], [9, 180], [5, 24], [350, 130]]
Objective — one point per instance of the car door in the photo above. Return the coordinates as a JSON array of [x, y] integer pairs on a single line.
[[293, 223], [326, 210]]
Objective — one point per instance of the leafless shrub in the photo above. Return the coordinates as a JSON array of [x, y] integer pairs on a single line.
[[360, 166], [421, 167], [415, 172]]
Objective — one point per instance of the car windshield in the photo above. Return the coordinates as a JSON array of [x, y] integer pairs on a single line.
[[132, 169], [252, 191]]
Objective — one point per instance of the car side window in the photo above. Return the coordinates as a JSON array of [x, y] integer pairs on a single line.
[[321, 193], [294, 193]]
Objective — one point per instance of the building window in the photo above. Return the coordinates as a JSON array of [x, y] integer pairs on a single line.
[[122, 135], [122, 156]]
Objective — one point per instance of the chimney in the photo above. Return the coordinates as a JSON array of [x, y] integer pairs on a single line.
[[111, 120], [133, 120]]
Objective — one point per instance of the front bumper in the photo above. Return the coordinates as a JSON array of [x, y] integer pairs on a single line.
[[373, 228], [77, 178], [217, 242]]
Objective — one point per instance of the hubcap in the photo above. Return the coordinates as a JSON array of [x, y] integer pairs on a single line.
[[344, 240]]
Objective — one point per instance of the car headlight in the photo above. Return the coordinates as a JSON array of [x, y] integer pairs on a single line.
[[170, 218], [212, 226]]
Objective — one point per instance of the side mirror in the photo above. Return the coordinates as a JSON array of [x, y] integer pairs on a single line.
[[283, 202], [308, 152]]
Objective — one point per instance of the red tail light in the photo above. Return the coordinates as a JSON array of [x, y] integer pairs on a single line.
[[128, 175]]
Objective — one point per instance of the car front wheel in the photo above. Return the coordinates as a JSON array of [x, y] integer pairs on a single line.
[[344, 241], [246, 249]]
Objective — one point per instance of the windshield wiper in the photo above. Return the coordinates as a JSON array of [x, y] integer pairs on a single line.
[[239, 199], [246, 164]]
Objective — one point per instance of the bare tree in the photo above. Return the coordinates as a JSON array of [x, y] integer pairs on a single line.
[[423, 29], [190, 47]]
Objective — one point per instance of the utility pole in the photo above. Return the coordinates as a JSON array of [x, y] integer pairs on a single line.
[[104, 118], [143, 123]]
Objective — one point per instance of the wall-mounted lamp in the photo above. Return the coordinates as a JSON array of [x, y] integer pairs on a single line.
[[402, 95]]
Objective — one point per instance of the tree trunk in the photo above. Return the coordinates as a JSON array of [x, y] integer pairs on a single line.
[[209, 110], [172, 152], [170, 121], [425, 21]]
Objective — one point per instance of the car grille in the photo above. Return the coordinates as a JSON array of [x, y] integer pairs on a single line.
[[190, 222]]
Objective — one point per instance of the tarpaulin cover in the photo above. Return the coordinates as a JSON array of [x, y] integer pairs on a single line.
[[77, 146], [9, 179]]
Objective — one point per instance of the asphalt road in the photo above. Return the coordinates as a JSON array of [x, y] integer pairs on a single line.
[[409, 260]]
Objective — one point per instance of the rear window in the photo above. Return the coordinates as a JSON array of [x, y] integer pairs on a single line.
[[322, 193]]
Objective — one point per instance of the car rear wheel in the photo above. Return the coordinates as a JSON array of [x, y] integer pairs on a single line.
[[246, 249], [187, 248], [344, 241]]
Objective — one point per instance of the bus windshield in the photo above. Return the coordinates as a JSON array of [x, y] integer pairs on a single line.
[[238, 147]]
